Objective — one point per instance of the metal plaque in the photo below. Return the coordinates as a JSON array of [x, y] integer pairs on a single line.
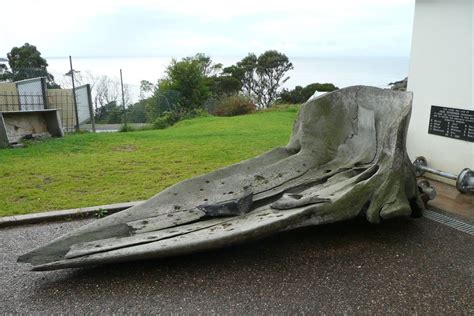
[[451, 122]]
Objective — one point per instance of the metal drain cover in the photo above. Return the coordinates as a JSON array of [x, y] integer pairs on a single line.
[[449, 221]]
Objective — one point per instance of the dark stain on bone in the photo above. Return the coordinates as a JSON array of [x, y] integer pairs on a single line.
[[233, 207]]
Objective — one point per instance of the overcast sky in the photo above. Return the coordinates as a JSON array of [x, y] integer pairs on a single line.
[[306, 28]]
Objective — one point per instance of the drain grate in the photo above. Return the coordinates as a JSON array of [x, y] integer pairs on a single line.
[[449, 221]]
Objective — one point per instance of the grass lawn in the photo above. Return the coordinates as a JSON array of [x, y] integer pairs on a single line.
[[94, 169]]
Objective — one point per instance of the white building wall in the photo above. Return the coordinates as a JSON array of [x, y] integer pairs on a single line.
[[441, 73]]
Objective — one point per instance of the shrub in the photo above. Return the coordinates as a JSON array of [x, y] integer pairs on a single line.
[[165, 120], [234, 105], [168, 119], [282, 107], [198, 113], [127, 128], [136, 113]]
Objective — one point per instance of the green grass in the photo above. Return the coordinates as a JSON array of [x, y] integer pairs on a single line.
[[93, 169]]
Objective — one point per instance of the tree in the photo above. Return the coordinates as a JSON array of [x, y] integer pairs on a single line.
[[244, 72], [262, 76], [188, 77], [146, 88], [110, 113], [104, 89], [26, 62], [209, 69], [226, 85], [3, 67], [136, 113], [185, 88], [108, 90]]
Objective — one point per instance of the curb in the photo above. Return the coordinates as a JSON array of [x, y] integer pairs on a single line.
[[75, 213]]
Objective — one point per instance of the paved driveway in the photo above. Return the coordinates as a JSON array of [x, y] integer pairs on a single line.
[[402, 266]]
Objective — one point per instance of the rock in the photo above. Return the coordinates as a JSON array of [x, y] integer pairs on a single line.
[[399, 85]]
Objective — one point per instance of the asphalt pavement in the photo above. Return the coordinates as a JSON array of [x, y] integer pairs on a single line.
[[403, 266]]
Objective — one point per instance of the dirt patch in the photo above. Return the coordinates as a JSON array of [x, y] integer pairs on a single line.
[[48, 180], [125, 148]]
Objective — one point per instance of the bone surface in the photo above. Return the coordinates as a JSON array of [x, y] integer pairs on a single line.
[[346, 158]]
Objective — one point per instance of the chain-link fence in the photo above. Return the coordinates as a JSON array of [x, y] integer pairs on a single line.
[[62, 100], [10, 102]]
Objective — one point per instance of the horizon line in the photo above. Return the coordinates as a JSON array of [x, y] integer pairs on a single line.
[[229, 56]]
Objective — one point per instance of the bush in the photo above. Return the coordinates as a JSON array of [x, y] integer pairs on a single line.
[[126, 128], [168, 119], [282, 107], [198, 113], [234, 105], [136, 113], [165, 120]]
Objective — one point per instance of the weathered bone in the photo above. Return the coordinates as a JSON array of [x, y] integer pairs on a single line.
[[346, 157]]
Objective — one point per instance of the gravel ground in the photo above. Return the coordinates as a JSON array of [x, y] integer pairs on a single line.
[[402, 266]]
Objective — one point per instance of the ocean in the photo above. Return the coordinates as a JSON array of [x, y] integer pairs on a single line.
[[343, 72]]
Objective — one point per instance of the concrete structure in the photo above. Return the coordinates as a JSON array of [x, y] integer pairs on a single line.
[[14, 126], [441, 74], [32, 94]]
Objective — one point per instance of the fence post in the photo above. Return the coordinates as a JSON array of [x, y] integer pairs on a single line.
[[91, 109], [44, 92], [123, 103], [74, 95]]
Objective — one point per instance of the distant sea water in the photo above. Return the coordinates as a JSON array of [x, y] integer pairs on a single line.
[[342, 71]]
